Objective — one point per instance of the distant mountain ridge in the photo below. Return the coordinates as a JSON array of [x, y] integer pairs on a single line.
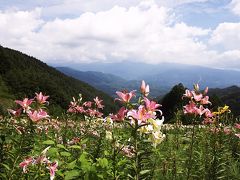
[[110, 77], [106, 82], [22, 75], [189, 75], [165, 74], [110, 83]]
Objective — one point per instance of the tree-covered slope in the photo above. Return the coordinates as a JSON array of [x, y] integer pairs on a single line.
[[229, 96], [23, 75]]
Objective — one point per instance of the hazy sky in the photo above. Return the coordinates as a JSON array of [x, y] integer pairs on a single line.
[[202, 32]]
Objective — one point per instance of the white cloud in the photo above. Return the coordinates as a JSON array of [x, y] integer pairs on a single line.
[[227, 36], [145, 32], [17, 24], [235, 7], [70, 8], [229, 59]]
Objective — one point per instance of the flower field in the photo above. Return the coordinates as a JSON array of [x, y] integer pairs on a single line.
[[133, 143]]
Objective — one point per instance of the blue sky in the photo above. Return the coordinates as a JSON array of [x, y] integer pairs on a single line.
[[200, 32]]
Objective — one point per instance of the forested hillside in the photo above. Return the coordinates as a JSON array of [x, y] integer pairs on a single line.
[[22, 76]]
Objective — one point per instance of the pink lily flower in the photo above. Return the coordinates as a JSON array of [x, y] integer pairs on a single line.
[[197, 97], [42, 158], [26, 163], [125, 97], [207, 121], [91, 112], [99, 114], [141, 114], [205, 100], [36, 116], [41, 98], [53, 168], [79, 109], [25, 103], [238, 135], [237, 125], [151, 105], [98, 103], [16, 113], [144, 88], [227, 131], [201, 110], [190, 108], [72, 110], [120, 116], [187, 94], [87, 104], [208, 113], [205, 91]]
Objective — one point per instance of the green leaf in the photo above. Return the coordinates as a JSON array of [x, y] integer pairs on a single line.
[[83, 157], [71, 174], [3, 176], [75, 147], [106, 153], [144, 172], [61, 146], [66, 154], [84, 141], [100, 176], [85, 164], [48, 142], [72, 165], [53, 152], [6, 166], [103, 162]]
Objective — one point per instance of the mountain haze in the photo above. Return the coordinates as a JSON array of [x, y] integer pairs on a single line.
[[110, 83], [165, 74]]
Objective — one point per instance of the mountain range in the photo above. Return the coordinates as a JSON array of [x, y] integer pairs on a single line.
[[110, 83], [22, 75], [161, 78], [167, 73], [172, 75]]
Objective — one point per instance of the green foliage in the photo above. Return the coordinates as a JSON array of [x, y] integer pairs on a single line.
[[188, 152], [229, 96], [172, 101]]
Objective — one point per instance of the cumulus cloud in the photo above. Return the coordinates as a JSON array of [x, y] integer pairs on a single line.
[[145, 32], [227, 36], [72, 8], [18, 24], [235, 7]]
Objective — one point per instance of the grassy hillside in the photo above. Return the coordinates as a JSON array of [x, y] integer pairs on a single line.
[[23, 75]]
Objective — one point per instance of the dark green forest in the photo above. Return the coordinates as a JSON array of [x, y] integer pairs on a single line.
[[22, 75]]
